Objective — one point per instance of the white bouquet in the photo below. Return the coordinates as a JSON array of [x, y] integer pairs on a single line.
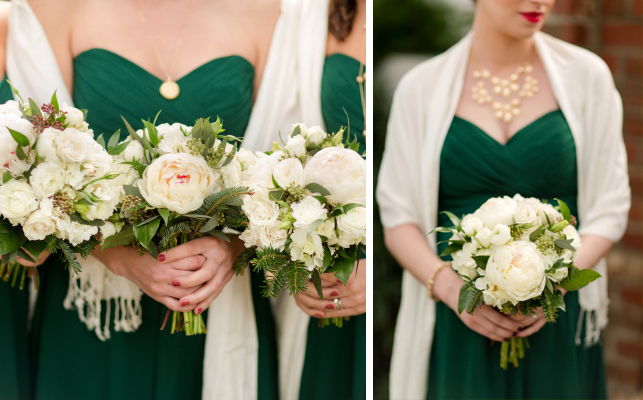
[[514, 254], [57, 185], [181, 183], [306, 215]]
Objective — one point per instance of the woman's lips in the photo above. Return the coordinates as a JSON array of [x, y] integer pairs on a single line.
[[532, 16]]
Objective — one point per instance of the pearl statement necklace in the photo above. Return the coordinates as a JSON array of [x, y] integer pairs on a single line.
[[507, 94]]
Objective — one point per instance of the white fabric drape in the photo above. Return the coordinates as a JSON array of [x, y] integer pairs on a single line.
[[424, 105]]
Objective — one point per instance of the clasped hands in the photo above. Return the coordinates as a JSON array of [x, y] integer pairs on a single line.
[[184, 278]]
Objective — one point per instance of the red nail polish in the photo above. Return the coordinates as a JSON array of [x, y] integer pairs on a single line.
[[161, 257], [184, 302], [320, 315], [339, 281], [198, 311], [175, 282], [334, 293], [330, 306]]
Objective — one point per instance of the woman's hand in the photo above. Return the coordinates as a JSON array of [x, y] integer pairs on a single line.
[[42, 257], [352, 296], [486, 321], [206, 282], [153, 277]]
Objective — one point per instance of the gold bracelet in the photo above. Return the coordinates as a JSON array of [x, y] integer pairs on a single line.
[[431, 281]]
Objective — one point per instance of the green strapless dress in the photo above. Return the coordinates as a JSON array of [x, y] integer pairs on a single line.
[[72, 363], [14, 350], [335, 363], [539, 161]]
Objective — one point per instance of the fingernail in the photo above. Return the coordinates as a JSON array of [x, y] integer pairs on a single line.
[[330, 306], [184, 302], [334, 293], [161, 257], [339, 281], [320, 315], [198, 311], [175, 282]]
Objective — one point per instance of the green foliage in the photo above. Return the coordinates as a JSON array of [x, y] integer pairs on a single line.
[[217, 202], [170, 235], [470, 299], [67, 254], [550, 303], [244, 260], [578, 278], [11, 238], [282, 272]]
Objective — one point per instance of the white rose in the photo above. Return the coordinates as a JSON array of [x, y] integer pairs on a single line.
[[497, 210], [39, 225], [296, 146], [74, 146], [289, 173], [250, 236], [74, 117], [17, 201], [261, 211], [471, 224], [180, 182], [500, 235], [483, 236], [315, 135], [307, 247], [516, 271], [73, 175], [74, 232], [133, 151], [340, 171], [308, 211], [46, 179], [271, 236], [558, 275], [172, 138], [352, 225], [527, 212], [327, 230]]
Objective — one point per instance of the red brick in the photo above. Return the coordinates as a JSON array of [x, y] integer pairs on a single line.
[[611, 60], [629, 349], [634, 66], [573, 33], [624, 34], [633, 239], [637, 7], [620, 374], [636, 211], [612, 7], [564, 7], [632, 295], [633, 126], [623, 317]]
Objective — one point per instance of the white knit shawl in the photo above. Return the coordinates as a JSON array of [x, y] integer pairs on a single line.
[[423, 107]]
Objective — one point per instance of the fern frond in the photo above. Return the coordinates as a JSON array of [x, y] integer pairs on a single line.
[[67, 254], [212, 202], [235, 221], [244, 259], [297, 277], [169, 236], [275, 283]]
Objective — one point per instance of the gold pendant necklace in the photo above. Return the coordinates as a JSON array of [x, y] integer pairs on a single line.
[[506, 95], [169, 89]]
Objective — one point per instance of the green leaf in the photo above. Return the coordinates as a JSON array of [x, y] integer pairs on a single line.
[[152, 133], [35, 247], [218, 234], [113, 141], [54, 102], [33, 106], [101, 140], [316, 280], [342, 268], [481, 261], [118, 149], [452, 248], [123, 238], [20, 153], [21, 139], [470, 299], [296, 131], [558, 264], [132, 132], [533, 236], [328, 259], [147, 221], [577, 279], [164, 213], [230, 156], [145, 233], [213, 223], [350, 206], [276, 195], [321, 199], [132, 190], [316, 188], [6, 177], [77, 218], [558, 226], [455, 220], [11, 237], [561, 244], [564, 210]]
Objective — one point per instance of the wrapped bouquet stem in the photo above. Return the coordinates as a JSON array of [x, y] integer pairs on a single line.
[[515, 254]]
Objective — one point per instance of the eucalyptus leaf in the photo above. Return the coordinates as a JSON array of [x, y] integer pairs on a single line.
[[276, 195], [101, 140], [350, 206], [321, 199], [533, 236], [113, 141], [317, 188], [210, 225], [296, 131], [21, 139], [564, 210], [132, 190], [118, 149], [561, 244], [77, 218], [452, 248], [218, 234], [455, 220]]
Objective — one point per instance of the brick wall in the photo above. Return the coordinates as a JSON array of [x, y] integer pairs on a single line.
[[614, 30]]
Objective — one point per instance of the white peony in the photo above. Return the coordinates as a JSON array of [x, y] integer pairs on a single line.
[[46, 179], [172, 138], [261, 211], [296, 146], [340, 171], [46, 146], [246, 158], [289, 173], [9, 160], [527, 211], [497, 210], [39, 225], [133, 151], [11, 107], [17, 201], [308, 211], [179, 182], [515, 272]]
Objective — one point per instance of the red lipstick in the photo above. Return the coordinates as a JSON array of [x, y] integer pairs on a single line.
[[532, 16]]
